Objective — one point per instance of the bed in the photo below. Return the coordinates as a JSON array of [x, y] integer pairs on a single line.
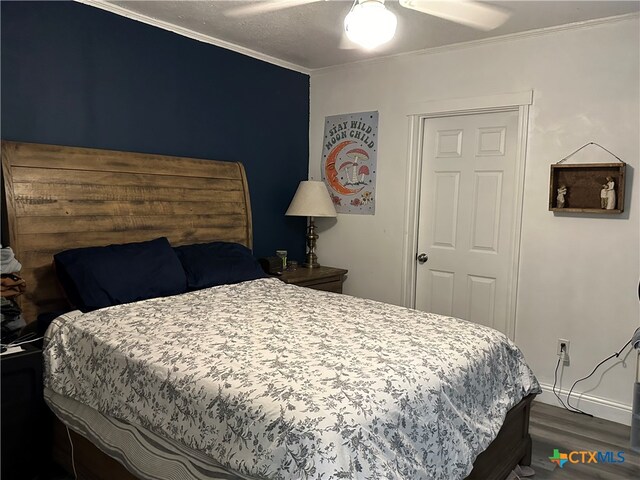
[[355, 368]]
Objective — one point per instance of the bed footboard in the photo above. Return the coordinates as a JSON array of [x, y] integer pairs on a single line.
[[511, 447]]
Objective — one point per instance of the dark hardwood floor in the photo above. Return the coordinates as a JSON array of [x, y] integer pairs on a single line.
[[554, 427]]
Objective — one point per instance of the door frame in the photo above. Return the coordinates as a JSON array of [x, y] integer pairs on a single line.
[[418, 115]]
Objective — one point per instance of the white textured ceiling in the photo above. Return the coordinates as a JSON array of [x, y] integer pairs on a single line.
[[308, 37]]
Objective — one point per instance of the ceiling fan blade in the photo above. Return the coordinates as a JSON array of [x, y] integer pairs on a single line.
[[467, 12], [265, 7]]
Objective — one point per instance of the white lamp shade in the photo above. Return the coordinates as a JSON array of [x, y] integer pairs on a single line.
[[312, 200]]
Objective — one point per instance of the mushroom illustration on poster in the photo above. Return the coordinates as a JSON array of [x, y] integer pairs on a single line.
[[349, 155]]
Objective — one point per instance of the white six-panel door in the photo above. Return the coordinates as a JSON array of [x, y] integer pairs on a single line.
[[467, 208]]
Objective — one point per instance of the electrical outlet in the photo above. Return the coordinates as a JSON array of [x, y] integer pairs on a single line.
[[566, 343]]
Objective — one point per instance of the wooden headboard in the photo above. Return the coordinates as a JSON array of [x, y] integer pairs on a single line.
[[68, 197]]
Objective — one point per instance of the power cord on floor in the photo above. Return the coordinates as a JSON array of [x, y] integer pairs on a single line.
[[614, 355], [73, 462], [568, 406]]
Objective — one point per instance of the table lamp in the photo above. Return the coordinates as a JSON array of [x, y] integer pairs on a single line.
[[311, 200]]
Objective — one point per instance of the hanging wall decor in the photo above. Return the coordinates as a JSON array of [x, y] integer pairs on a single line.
[[349, 157], [587, 187]]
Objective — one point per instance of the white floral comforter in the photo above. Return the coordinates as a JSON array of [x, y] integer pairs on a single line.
[[281, 382]]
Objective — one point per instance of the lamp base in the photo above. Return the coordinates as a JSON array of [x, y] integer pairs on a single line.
[[312, 259]]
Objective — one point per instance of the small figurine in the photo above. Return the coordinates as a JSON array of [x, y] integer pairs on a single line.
[[562, 191], [603, 196], [611, 194]]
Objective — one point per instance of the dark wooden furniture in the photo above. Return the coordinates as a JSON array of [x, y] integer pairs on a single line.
[[511, 447], [25, 422], [320, 278], [584, 182], [64, 197]]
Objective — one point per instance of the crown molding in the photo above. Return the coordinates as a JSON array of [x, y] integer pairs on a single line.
[[485, 41], [185, 32], [124, 12]]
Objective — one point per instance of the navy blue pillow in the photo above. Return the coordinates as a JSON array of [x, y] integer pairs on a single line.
[[218, 263], [98, 277]]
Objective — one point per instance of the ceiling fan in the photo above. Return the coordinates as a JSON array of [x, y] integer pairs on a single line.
[[369, 23]]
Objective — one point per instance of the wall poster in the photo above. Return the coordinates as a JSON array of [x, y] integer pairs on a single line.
[[349, 155]]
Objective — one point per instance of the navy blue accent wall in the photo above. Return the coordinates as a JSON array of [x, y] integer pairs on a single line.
[[76, 75]]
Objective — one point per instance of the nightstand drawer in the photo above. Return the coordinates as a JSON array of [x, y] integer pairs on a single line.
[[332, 286], [328, 279], [20, 386]]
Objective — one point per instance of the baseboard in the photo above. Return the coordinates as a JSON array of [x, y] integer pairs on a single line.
[[596, 406]]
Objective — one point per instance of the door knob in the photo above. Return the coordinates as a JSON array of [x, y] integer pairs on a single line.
[[422, 258]]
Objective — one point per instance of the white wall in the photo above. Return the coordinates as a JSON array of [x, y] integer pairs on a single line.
[[578, 274]]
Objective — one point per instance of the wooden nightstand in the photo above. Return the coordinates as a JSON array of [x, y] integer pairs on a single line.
[[24, 415], [322, 278]]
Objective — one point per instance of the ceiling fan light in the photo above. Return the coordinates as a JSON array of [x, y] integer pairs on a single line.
[[370, 24]]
